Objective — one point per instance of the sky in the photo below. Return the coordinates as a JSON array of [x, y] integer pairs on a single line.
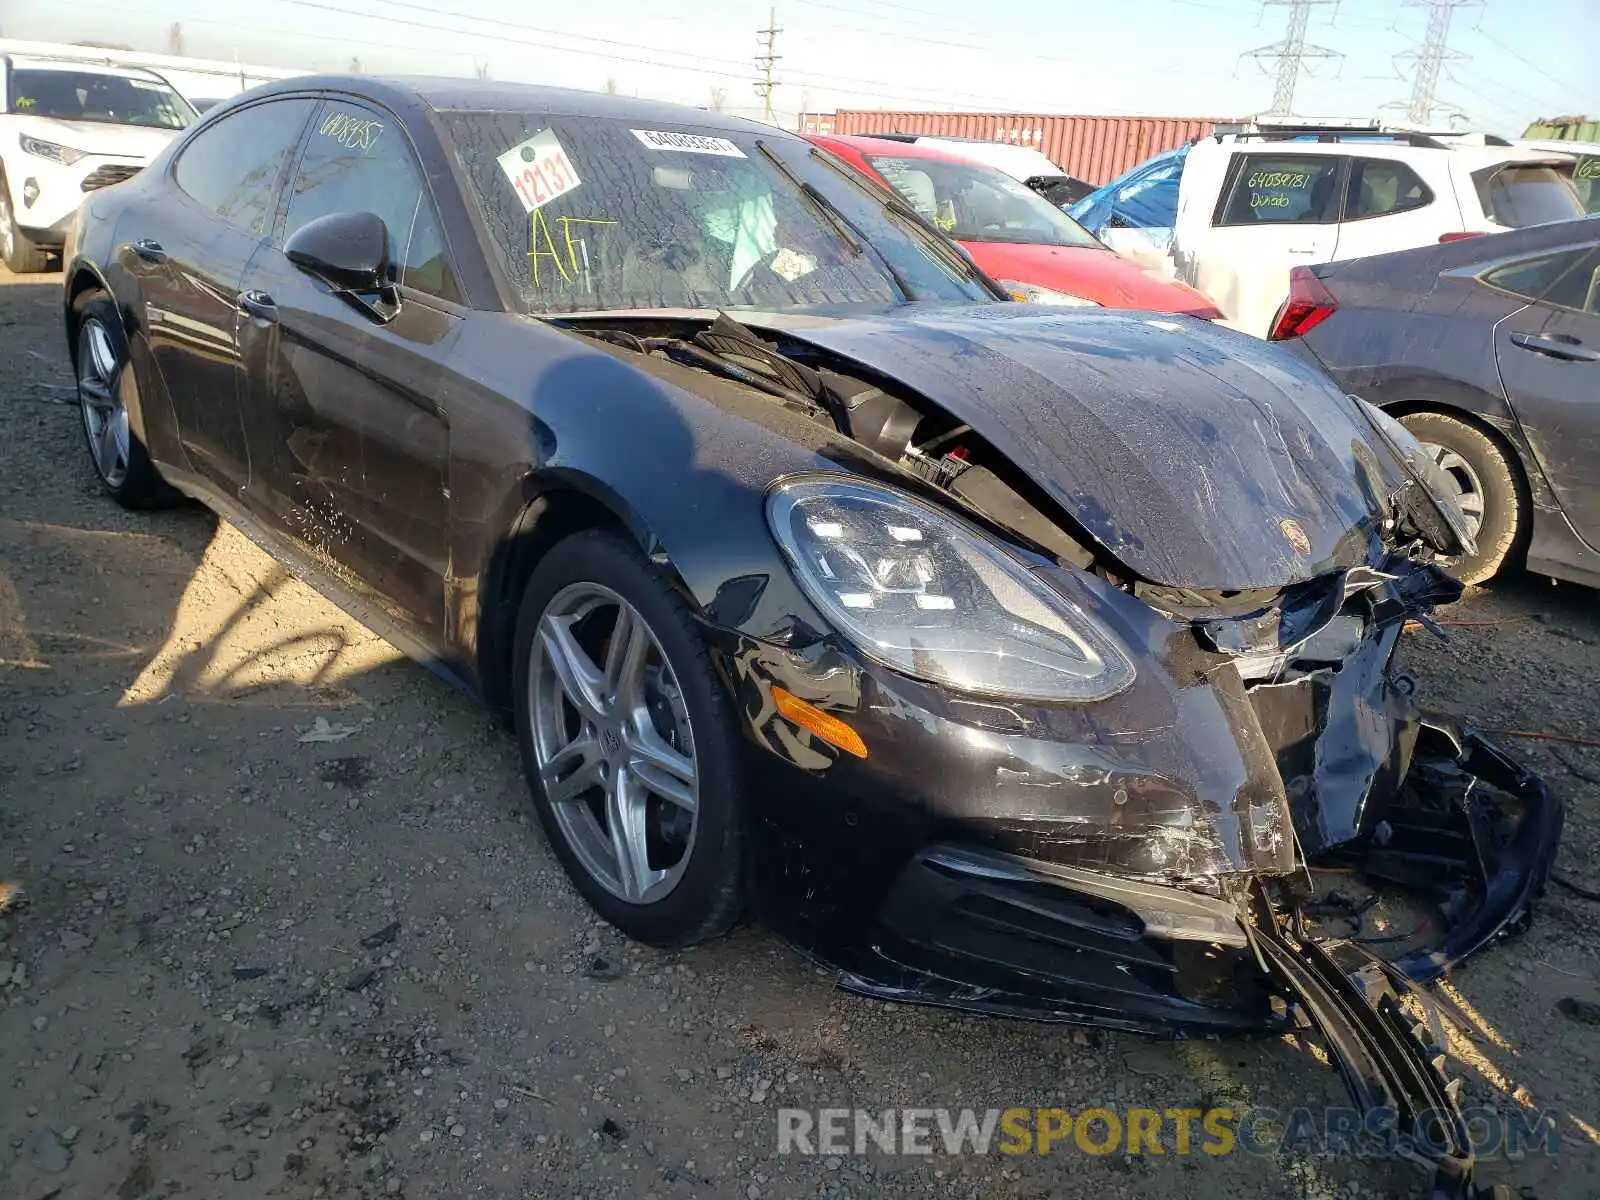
[[1515, 60]]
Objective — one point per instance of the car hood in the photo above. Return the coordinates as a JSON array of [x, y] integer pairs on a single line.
[[98, 137], [1103, 276], [1196, 456]]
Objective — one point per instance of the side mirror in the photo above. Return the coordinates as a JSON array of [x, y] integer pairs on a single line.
[[348, 251]]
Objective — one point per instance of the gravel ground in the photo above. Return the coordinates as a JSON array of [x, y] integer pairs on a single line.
[[287, 932]]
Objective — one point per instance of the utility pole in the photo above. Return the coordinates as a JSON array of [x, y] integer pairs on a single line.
[[1430, 59], [767, 61], [1291, 52]]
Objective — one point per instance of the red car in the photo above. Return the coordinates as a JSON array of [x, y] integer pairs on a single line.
[[1017, 236]]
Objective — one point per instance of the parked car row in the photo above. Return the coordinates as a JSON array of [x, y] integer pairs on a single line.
[[1236, 212]]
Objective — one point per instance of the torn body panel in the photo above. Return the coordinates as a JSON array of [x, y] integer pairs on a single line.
[[1143, 863]]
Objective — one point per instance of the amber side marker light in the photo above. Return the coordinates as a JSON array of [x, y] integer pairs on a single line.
[[808, 716]]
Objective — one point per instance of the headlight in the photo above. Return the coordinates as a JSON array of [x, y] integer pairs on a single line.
[[923, 592], [1443, 506], [1032, 293], [65, 155]]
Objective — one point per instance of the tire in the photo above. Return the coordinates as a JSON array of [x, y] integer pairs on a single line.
[[107, 399], [20, 254], [1489, 480], [577, 587]]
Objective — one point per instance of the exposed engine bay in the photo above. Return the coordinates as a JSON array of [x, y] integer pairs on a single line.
[[1376, 795]]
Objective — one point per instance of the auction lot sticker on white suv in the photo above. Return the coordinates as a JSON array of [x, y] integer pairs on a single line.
[[539, 169], [687, 143]]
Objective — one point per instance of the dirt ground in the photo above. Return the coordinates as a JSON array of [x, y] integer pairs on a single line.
[[287, 932]]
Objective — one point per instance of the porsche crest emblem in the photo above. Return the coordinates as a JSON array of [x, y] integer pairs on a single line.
[[1295, 534]]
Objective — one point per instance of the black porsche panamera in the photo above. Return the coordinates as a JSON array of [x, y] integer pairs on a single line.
[[1007, 658]]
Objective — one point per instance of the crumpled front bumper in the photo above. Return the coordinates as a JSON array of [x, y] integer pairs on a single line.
[[971, 928]]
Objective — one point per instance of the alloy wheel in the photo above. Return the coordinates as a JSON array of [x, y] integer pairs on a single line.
[[105, 417], [613, 744], [1467, 487]]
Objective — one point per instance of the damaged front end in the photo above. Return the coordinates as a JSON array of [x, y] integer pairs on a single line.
[[1200, 842]]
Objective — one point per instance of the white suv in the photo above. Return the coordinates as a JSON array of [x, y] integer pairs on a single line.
[[1255, 204], [67, 128]]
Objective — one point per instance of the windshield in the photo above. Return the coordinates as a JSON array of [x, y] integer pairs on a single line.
[[600, 213], [96, 96], [974, 203], [1527, 195]]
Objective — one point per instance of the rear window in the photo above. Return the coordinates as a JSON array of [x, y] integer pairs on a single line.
[[1283, 189], [1519, 196]]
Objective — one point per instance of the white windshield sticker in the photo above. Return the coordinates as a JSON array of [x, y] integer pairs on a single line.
[[687, 143], [539, 170]]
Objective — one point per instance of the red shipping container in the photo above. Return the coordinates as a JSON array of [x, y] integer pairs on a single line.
[[1096, 149]]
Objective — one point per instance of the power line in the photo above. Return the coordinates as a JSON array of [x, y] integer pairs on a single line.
[[258, 28], [732, 68], [728, 68], [766, 62], [1532, 66], [972, 37], [1291, 52]]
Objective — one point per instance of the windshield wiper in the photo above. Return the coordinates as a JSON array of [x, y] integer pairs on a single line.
[[913, 221], [841, 224]]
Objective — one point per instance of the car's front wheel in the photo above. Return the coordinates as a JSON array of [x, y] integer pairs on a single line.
[[107, 394], [18, 251], [1486, 486], [628, 743]]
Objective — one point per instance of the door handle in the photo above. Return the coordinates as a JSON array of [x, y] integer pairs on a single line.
[[150, 250], [258, 305], [1553, 345]]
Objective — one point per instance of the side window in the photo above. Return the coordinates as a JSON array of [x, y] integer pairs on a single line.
[[233, 166], [1283, 189], [1566, 279], [1381, 187], [358, 160]]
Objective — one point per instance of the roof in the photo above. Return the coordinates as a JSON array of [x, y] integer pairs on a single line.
[[1472, 154], [1559, 146], [493, 95], [27, 62], [863, 144]]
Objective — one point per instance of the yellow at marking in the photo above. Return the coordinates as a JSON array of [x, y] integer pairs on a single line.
[[539, 226]]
